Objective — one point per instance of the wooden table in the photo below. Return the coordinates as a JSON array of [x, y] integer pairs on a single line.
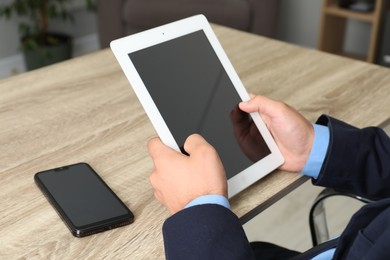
[[85, 110]]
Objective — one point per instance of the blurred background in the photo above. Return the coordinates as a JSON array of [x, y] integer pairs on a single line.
[[297, 22]]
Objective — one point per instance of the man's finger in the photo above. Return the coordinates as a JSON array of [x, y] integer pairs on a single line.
[[156, 147], [161, 152], [194, 141], [260, 104]]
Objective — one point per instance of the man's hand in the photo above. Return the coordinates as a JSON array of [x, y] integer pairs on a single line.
[[248, 135], [177, 179], [293, 133]]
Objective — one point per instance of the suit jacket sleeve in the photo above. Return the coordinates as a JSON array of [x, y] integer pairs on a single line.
[[206, 231], [357, 161]]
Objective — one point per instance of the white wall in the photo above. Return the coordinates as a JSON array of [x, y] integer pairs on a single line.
[[299, 24], [8, 38]]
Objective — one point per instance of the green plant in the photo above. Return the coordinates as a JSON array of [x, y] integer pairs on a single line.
[[36, 15]]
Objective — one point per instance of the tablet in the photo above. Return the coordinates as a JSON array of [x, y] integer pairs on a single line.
[[186, 84]]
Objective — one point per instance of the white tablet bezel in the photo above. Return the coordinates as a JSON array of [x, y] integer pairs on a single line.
[[121, 49]]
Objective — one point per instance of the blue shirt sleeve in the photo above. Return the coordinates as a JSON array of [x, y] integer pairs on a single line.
[[210, 199], [318, 151], [327, 255]]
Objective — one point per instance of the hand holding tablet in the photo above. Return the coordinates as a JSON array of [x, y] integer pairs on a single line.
[[187, 85]]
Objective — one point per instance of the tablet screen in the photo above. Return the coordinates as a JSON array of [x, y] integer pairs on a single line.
[[194, 94]]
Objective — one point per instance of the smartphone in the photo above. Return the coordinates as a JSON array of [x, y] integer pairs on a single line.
[[83, 200]]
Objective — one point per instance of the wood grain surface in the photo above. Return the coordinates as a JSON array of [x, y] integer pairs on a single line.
[[84, 110]]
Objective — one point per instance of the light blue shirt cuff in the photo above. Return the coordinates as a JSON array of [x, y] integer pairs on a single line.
[[327, 255], [318, 151], [210, 199]]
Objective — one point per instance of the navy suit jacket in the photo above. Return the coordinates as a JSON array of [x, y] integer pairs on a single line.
[[357, 161]]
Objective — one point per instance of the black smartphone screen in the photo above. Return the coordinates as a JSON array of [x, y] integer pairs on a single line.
[[83, 200]]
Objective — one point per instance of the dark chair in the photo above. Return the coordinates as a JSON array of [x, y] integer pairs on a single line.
[[118, 18], [317, 219]]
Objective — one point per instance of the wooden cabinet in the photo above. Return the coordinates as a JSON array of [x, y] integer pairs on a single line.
[[333, 27]]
